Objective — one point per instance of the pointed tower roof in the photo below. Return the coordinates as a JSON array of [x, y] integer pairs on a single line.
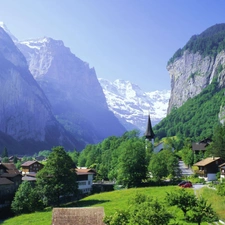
[[149, 134]]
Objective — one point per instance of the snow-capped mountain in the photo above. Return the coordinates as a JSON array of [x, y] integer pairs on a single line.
[[131, 105]]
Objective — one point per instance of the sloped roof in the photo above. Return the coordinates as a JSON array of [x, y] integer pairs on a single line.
[[29, 163], [199, 146], [4, 181], [78, 216], [85, 171], [28, 178], [223, 164], [206, 161], [11, 169], [9, 166]]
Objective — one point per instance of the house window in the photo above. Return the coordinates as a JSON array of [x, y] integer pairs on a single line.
[[89, 182]]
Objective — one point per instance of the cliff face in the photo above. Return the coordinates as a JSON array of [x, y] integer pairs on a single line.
[[191, 73], [27, 124], [194, 66], [72, 88]]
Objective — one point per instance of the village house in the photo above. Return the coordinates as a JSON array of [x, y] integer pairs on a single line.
[[208, 168], [30, 167], [10, 179], [84, 176], [85, 179], [200, 146]]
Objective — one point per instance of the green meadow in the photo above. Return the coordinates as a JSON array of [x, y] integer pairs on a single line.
[[112, 201]]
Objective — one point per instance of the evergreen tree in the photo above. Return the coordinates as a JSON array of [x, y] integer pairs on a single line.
[[217, 147], [5, 153]]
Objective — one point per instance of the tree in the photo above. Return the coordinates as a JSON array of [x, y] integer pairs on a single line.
[[168, 166], [5, 153], [155, 214], [132, 163], [201, 211], [26, 199], [57, 178], [141, 210], [217, 147], [5, 160], [182, 199]]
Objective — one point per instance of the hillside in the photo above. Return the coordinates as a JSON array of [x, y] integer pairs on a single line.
[[194, 67], [27, 124], [197, 117]]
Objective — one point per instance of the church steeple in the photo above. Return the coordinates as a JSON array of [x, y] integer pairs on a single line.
[[149, 134]]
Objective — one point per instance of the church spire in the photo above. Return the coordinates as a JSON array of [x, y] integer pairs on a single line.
[[149, 134]]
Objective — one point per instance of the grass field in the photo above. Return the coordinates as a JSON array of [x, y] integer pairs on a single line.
[[111, 201], [218, 202]]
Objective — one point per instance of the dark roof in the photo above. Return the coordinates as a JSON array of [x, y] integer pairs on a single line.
[[78, 216], [199, 146], [11, 170], [206, 161], [9, 166], [149, 134], [10, 174], [4, 180]]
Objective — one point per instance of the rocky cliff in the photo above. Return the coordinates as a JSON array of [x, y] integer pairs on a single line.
[[194, 66], [72, 88], [27, 124]]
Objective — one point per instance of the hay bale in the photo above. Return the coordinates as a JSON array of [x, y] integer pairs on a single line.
[[78, 216]]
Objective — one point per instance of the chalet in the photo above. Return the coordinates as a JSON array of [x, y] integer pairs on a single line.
[[10, 179], [85, 179], [208, 168], [31, 167], [198, 147]]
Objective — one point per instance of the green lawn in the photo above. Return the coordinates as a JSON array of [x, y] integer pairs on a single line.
[[111, 201], [218, 202]]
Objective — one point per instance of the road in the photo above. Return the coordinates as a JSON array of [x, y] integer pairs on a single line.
[[184, 169]]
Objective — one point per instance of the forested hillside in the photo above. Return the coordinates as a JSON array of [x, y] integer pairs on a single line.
[[196, 118], [210, 42]]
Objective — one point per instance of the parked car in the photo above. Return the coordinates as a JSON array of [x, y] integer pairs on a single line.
[[182, 182], [187, 185]]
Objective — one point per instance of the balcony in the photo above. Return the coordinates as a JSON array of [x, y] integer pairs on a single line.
[[201, 173]]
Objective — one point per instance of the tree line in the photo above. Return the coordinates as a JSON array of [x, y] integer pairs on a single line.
[[196, 118], [208, 43]]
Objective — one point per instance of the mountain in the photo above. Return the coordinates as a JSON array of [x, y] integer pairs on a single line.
[[194, 67], [27, 124], [72, 88], [197, 71], [131, 105]]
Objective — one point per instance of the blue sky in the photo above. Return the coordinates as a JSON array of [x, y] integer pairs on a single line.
[[121, 39]]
